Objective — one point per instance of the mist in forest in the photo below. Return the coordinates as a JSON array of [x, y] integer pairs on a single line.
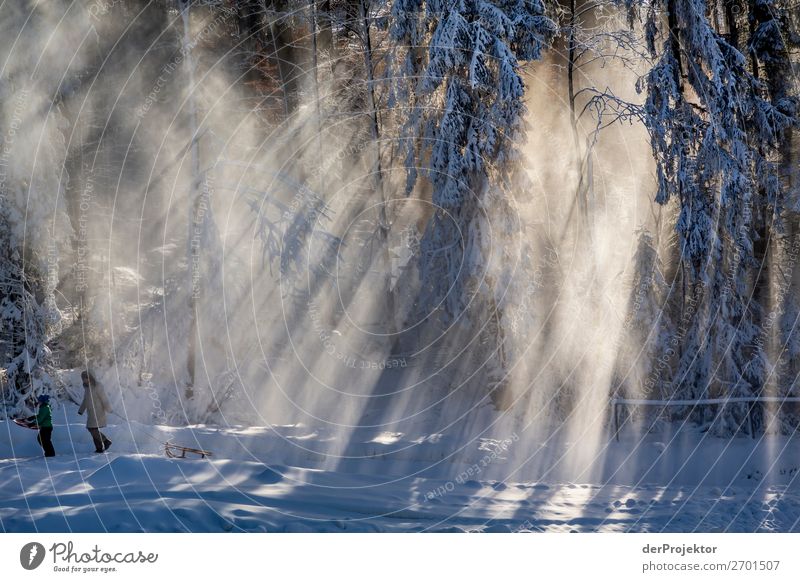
[[214, 201]]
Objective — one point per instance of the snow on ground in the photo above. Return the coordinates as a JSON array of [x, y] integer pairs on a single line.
[[275, 479]]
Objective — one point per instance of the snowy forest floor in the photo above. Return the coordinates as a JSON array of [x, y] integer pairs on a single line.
[[270, 479]]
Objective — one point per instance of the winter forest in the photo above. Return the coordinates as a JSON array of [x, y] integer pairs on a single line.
[[513, 265]]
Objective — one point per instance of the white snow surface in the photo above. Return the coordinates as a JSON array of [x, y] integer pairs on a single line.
[[274, 479]]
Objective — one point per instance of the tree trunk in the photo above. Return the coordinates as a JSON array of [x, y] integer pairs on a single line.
[[383, 217], [325, 36], [315, 81], [285, 53], [193, 249], [573, 120], [777, 70], [674, 40]]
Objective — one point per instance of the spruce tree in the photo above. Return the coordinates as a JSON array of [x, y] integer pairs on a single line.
[[460, 84], [715, 135]]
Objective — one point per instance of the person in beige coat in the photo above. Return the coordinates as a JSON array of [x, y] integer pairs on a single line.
[[96, 405]]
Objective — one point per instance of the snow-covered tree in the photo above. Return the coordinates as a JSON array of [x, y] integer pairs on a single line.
[[715, 135], [33, 230], [23, 329], [774, 36], [460, 84]]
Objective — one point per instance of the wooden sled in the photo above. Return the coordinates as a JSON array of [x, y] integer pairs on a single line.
[[178, 452], [25, 423]]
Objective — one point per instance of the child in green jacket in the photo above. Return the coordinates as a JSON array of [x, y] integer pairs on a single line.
[[44, 422]]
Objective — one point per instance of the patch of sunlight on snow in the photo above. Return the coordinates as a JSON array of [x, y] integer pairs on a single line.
[[431, 438], [307, 437], [387, 438], [572, 502]]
